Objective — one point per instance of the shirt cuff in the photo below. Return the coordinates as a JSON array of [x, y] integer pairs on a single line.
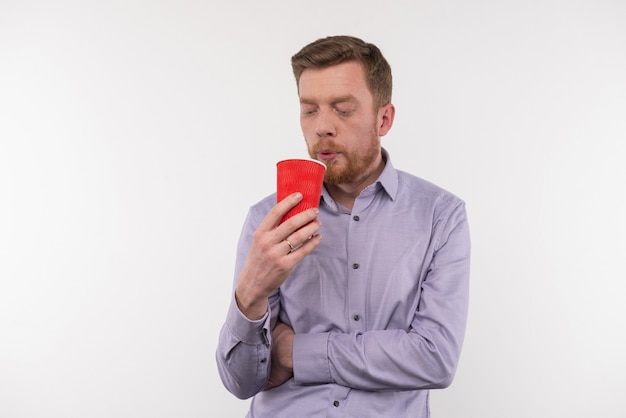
[[246, 330], [310, 358]]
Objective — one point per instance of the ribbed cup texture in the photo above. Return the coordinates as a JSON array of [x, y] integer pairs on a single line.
[[298, 175]]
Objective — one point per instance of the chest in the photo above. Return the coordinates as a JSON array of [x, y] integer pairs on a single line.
[[366, 274]]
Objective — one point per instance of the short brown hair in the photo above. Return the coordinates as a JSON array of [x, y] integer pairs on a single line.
[[333, 50]]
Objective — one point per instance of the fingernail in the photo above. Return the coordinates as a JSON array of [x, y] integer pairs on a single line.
[[297, 196]]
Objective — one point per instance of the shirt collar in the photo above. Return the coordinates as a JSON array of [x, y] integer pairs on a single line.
[[388, 181], [389, 177]]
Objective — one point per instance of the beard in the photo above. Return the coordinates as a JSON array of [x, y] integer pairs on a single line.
[[356, 165]]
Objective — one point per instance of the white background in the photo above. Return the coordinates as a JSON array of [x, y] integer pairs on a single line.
[[136, 134]]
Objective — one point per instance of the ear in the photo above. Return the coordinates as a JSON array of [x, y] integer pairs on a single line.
[[385, 119]]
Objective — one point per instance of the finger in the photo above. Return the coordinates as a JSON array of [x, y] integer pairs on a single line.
[[275, 215], [297, 222], [304, 249], [310, 226]]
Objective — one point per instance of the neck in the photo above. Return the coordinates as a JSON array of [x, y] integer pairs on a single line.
[[346, 193]]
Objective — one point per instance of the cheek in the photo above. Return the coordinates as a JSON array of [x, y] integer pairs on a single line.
[[310, 140]]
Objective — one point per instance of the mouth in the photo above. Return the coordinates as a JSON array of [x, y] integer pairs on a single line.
[[327, 154]]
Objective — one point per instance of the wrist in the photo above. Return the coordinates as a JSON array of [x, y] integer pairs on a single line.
[[254, 308], [283, 342]]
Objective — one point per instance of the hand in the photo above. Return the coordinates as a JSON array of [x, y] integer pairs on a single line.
[[271, 259], [282, 356]]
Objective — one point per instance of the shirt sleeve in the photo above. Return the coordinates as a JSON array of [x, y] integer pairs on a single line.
[[243, 353], [244, 346], [423, 357]]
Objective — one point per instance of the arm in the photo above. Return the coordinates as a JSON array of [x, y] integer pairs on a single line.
[[264, 262], [424, 356]]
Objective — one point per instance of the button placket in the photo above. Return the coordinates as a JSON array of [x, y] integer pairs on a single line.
[[357, 277]]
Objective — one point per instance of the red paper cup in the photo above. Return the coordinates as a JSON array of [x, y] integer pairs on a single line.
[[300, 175]]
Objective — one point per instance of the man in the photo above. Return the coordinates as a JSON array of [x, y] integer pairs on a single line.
[[364, 321]]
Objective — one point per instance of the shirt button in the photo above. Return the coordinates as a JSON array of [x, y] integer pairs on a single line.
[[356, 218], [336, 404], [357, 317], [263, 360], [355, 266]]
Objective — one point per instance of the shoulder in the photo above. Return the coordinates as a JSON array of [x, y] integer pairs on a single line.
[[265, 204], [413, 187], [258, 210], [445, 210]]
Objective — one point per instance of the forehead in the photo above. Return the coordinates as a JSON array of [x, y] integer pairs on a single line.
[[346, 79]]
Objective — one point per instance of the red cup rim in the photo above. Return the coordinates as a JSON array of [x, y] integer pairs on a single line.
[[303, 159]]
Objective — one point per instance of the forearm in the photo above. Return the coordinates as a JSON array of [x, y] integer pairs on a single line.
[[375, 360]]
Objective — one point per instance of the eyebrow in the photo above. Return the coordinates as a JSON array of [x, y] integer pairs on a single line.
[[340, 99]]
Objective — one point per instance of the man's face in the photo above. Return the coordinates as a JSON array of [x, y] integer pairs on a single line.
[[339, 122]]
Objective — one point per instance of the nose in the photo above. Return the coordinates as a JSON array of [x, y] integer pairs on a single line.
[[324, 126]]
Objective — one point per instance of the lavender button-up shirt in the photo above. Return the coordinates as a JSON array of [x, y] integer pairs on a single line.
[[378, 309]]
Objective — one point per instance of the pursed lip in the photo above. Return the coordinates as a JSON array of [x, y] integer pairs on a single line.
[[327, 154]]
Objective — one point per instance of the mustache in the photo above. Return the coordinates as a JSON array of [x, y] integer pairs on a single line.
[[328, 144]]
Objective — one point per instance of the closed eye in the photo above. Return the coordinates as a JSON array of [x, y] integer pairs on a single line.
[[307, 110], [345, 106], [344, 111]]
